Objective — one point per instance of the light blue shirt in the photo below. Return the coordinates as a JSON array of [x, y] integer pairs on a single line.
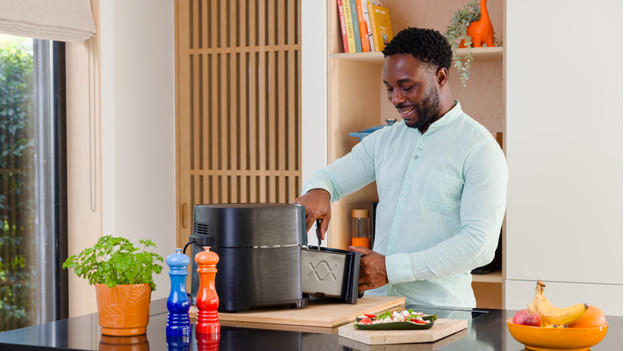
[[442, 197]]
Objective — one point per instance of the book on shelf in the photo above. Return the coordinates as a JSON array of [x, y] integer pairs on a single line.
[[356, 25], [369, 30], [363, 29], [343, 26], [349, 28], [380, 25]]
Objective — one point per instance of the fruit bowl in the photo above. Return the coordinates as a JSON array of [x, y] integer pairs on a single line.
[[539, 338]]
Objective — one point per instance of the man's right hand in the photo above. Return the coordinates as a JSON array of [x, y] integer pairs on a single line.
[[317, 205], [373, 272]]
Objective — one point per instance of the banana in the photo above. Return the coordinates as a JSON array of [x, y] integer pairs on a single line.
[[553, 315]]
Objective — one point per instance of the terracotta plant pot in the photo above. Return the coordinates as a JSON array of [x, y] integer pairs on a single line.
[[124, 309]]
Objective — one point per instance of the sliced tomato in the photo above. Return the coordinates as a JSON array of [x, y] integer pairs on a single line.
[[366, 321], [371, 316]]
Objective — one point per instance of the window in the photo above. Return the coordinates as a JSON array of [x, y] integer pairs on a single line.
[[32, 182]]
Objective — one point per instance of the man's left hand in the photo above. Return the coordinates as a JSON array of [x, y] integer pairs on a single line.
[[372, 269]]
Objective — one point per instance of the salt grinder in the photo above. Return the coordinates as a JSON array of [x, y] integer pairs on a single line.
[[178, 304], [207, 298]]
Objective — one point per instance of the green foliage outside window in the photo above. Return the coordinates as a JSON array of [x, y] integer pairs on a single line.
[[16, 204]]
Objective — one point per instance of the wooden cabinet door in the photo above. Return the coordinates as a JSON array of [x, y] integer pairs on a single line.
[[238, 110]]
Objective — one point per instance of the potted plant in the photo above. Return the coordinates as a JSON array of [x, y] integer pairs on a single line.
[[123, 276], [458, 34]]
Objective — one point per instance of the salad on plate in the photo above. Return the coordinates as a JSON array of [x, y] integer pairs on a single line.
[[389, 320]]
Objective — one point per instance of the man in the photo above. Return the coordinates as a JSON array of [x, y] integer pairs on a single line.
[[441, 179]]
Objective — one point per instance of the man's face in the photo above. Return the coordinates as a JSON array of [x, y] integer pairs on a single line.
[[412, 88]]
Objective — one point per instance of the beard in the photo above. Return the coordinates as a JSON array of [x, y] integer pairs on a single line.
[[426, 109]]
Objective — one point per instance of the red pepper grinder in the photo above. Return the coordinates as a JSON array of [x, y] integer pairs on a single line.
[[207, 298]]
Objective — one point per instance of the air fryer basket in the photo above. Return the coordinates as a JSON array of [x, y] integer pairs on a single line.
[[330, 273]]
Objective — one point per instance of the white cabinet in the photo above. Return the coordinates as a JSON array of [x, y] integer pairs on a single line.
[[564, 150]]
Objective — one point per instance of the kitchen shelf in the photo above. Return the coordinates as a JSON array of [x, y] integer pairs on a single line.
[[478, 54]]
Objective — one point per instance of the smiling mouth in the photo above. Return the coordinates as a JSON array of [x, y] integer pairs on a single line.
[[406, 111]]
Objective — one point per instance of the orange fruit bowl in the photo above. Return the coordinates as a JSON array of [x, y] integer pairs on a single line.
[[544, 339]]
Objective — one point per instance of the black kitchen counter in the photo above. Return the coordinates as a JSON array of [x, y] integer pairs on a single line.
[[486, 331]]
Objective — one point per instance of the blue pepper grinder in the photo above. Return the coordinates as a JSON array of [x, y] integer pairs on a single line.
[[178, 304]]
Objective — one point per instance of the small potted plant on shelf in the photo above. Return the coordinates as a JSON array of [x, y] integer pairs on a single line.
[[466, 23], [123, 276]]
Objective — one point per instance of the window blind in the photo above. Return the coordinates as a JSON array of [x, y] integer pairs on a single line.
[[61, 20]]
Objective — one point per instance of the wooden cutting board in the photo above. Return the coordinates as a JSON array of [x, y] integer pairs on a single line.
[[425, 346], [441, 329], [327, 313]]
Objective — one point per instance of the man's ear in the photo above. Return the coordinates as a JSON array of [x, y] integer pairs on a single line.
[[442, 77]]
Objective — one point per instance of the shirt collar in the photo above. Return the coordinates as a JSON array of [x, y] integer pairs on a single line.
[[447, 119]]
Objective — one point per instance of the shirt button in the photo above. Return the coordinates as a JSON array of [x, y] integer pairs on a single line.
[[422, 140], [416, 157], [409, 176], [402, 198], [419, 149]]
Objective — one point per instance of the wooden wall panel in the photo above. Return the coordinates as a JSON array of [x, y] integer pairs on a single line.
[[237, 103]]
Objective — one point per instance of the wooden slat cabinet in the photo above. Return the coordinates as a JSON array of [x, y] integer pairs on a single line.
[[238, 109]]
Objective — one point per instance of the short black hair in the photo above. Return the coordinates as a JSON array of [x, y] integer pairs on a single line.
[[427, 45]]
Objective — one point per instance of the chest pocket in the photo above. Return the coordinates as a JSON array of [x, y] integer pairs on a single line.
[[442, 191]]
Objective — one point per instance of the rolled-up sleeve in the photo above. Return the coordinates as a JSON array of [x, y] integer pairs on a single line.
[[348, 173]]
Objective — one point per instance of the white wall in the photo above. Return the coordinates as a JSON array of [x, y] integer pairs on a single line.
[[314, 86], [313, 90], [138, 124], [564, 150]]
